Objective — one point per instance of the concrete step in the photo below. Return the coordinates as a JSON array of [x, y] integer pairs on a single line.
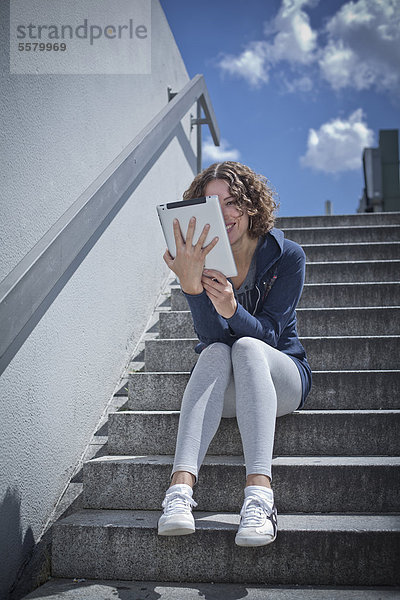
[[330, 390], [324, 354], [309, 550], [362, 219], [306, 432], [353, 271], [310, 322], [102, 589], [352, 251], [344, 235], [341, 321], [139, 482], [327, 295]]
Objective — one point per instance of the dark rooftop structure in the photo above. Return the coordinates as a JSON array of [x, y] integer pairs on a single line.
[[381, 174]]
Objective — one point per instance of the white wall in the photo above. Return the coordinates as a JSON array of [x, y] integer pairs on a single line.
[[57, 133]]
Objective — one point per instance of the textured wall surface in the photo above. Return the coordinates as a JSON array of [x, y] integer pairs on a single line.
[[57, 134]]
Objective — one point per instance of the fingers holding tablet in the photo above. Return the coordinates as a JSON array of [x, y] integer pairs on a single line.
[[168, 259], [220, 292], [203, 235], [215, 276], [188, 227], [179, 240], [190, 231], [210, 246]]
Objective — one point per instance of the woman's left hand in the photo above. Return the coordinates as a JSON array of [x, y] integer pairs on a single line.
[[220, 292]]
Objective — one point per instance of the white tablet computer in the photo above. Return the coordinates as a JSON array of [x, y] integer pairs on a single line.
[[206, 210]]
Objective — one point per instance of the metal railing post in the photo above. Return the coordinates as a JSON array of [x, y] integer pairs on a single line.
[[199, 121], [199, 160]]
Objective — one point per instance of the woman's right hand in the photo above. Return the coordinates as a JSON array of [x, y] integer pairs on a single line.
[[189, 262]]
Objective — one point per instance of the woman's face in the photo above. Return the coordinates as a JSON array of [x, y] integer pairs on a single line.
[[236, 221]]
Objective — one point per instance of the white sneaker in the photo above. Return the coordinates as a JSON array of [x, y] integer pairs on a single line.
[[258, 523], [177, 518]]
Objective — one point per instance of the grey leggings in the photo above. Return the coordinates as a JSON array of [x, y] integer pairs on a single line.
[[252, 381]]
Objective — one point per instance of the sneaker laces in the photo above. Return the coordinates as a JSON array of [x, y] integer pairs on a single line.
[[177, 502], [253, 511]]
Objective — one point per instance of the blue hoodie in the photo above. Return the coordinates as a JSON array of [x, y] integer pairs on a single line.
[[280, 272]]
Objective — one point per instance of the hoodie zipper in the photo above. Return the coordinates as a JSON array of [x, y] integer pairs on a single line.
[[267, 287], [258, 299]]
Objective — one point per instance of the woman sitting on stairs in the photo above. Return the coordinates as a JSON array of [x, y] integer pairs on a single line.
[[251, 364]]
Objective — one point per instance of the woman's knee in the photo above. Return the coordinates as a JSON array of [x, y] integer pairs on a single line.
[[247, 346], [252, 354], [217, 349], [216, 355]]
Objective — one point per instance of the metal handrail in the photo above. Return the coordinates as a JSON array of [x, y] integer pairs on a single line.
[[31, 287]]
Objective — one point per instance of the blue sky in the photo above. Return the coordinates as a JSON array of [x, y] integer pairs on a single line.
[[299, 88]]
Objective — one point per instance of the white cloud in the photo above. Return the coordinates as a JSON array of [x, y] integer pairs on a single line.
[[363, 48], [295, 41], [250, 64], [219, 153], [338, 63], [338, 144], [301, 84], [359, 47]]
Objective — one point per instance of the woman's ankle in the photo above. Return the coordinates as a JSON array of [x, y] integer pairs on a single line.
[[258, 479], [185, 477]]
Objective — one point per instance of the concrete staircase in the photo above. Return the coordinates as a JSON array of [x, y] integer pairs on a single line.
[[337, 462]]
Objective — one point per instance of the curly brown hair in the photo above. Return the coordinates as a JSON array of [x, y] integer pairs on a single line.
[[253, 193]]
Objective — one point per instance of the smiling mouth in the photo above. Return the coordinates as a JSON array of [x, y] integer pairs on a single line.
[[230, 227]]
